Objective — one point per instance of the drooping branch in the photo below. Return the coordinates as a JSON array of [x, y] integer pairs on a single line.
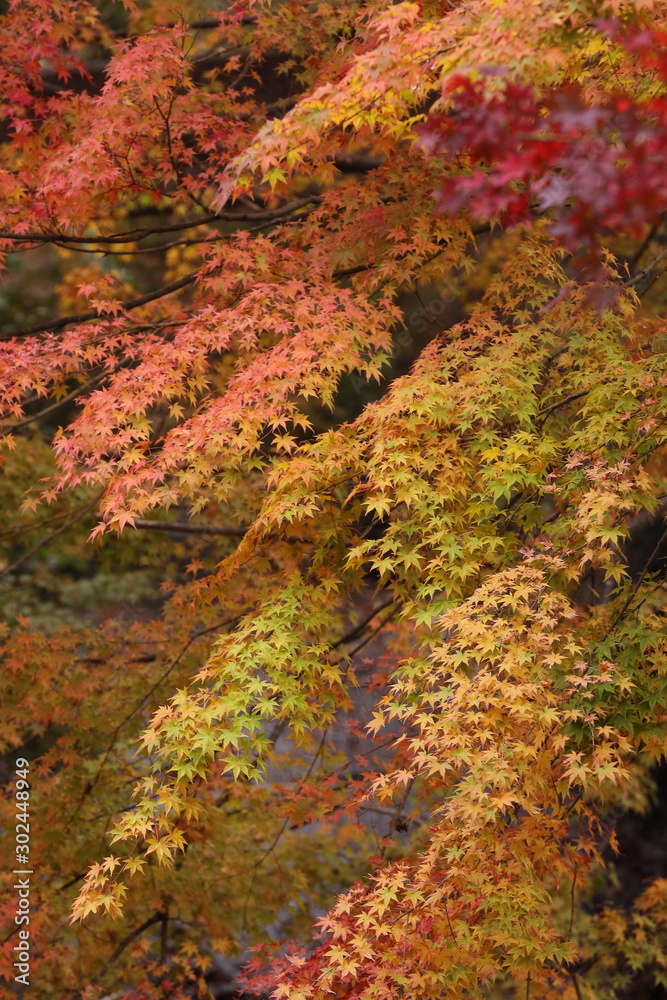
[[59, 324], [135, 235], [157, 918], [191, 529]]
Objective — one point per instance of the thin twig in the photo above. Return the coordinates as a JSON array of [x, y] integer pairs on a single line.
[[353, 633], [449, 924], [26, 528], [163, 938], [127, 940], [635, 587], [135, 235], [89, 384], [130, 236], [634, 260], [572, 899], [49, 538], [371, 635], [59, 324], [285, 824], [647, 274], [187, 528], [88, 788], [400, 808], [72, 881], [562, 402]]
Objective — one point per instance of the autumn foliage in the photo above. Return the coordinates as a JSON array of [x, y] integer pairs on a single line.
[[334, 389]]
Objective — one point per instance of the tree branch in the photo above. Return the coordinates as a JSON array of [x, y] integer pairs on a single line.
[[134, 235], [60, 324], [49, 538], [192, 529], [83, 387], [130, 236], [643, 279], [127, 940]]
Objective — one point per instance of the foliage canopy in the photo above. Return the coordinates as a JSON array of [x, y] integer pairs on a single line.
[[334, 386]]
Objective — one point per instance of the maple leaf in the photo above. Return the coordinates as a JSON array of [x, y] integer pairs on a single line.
[[376, 662]]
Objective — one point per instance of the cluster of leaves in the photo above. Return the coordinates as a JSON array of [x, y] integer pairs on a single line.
[[590, 159], [357, 697]]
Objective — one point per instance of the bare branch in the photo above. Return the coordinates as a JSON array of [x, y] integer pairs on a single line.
[[142, 300], [192, 529], [127, 940], [134, 235], [49, 538]]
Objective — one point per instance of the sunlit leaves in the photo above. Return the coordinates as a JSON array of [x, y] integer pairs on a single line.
[[370, 686]]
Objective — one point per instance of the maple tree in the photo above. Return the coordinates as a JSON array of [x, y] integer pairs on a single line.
[[333, 390]]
